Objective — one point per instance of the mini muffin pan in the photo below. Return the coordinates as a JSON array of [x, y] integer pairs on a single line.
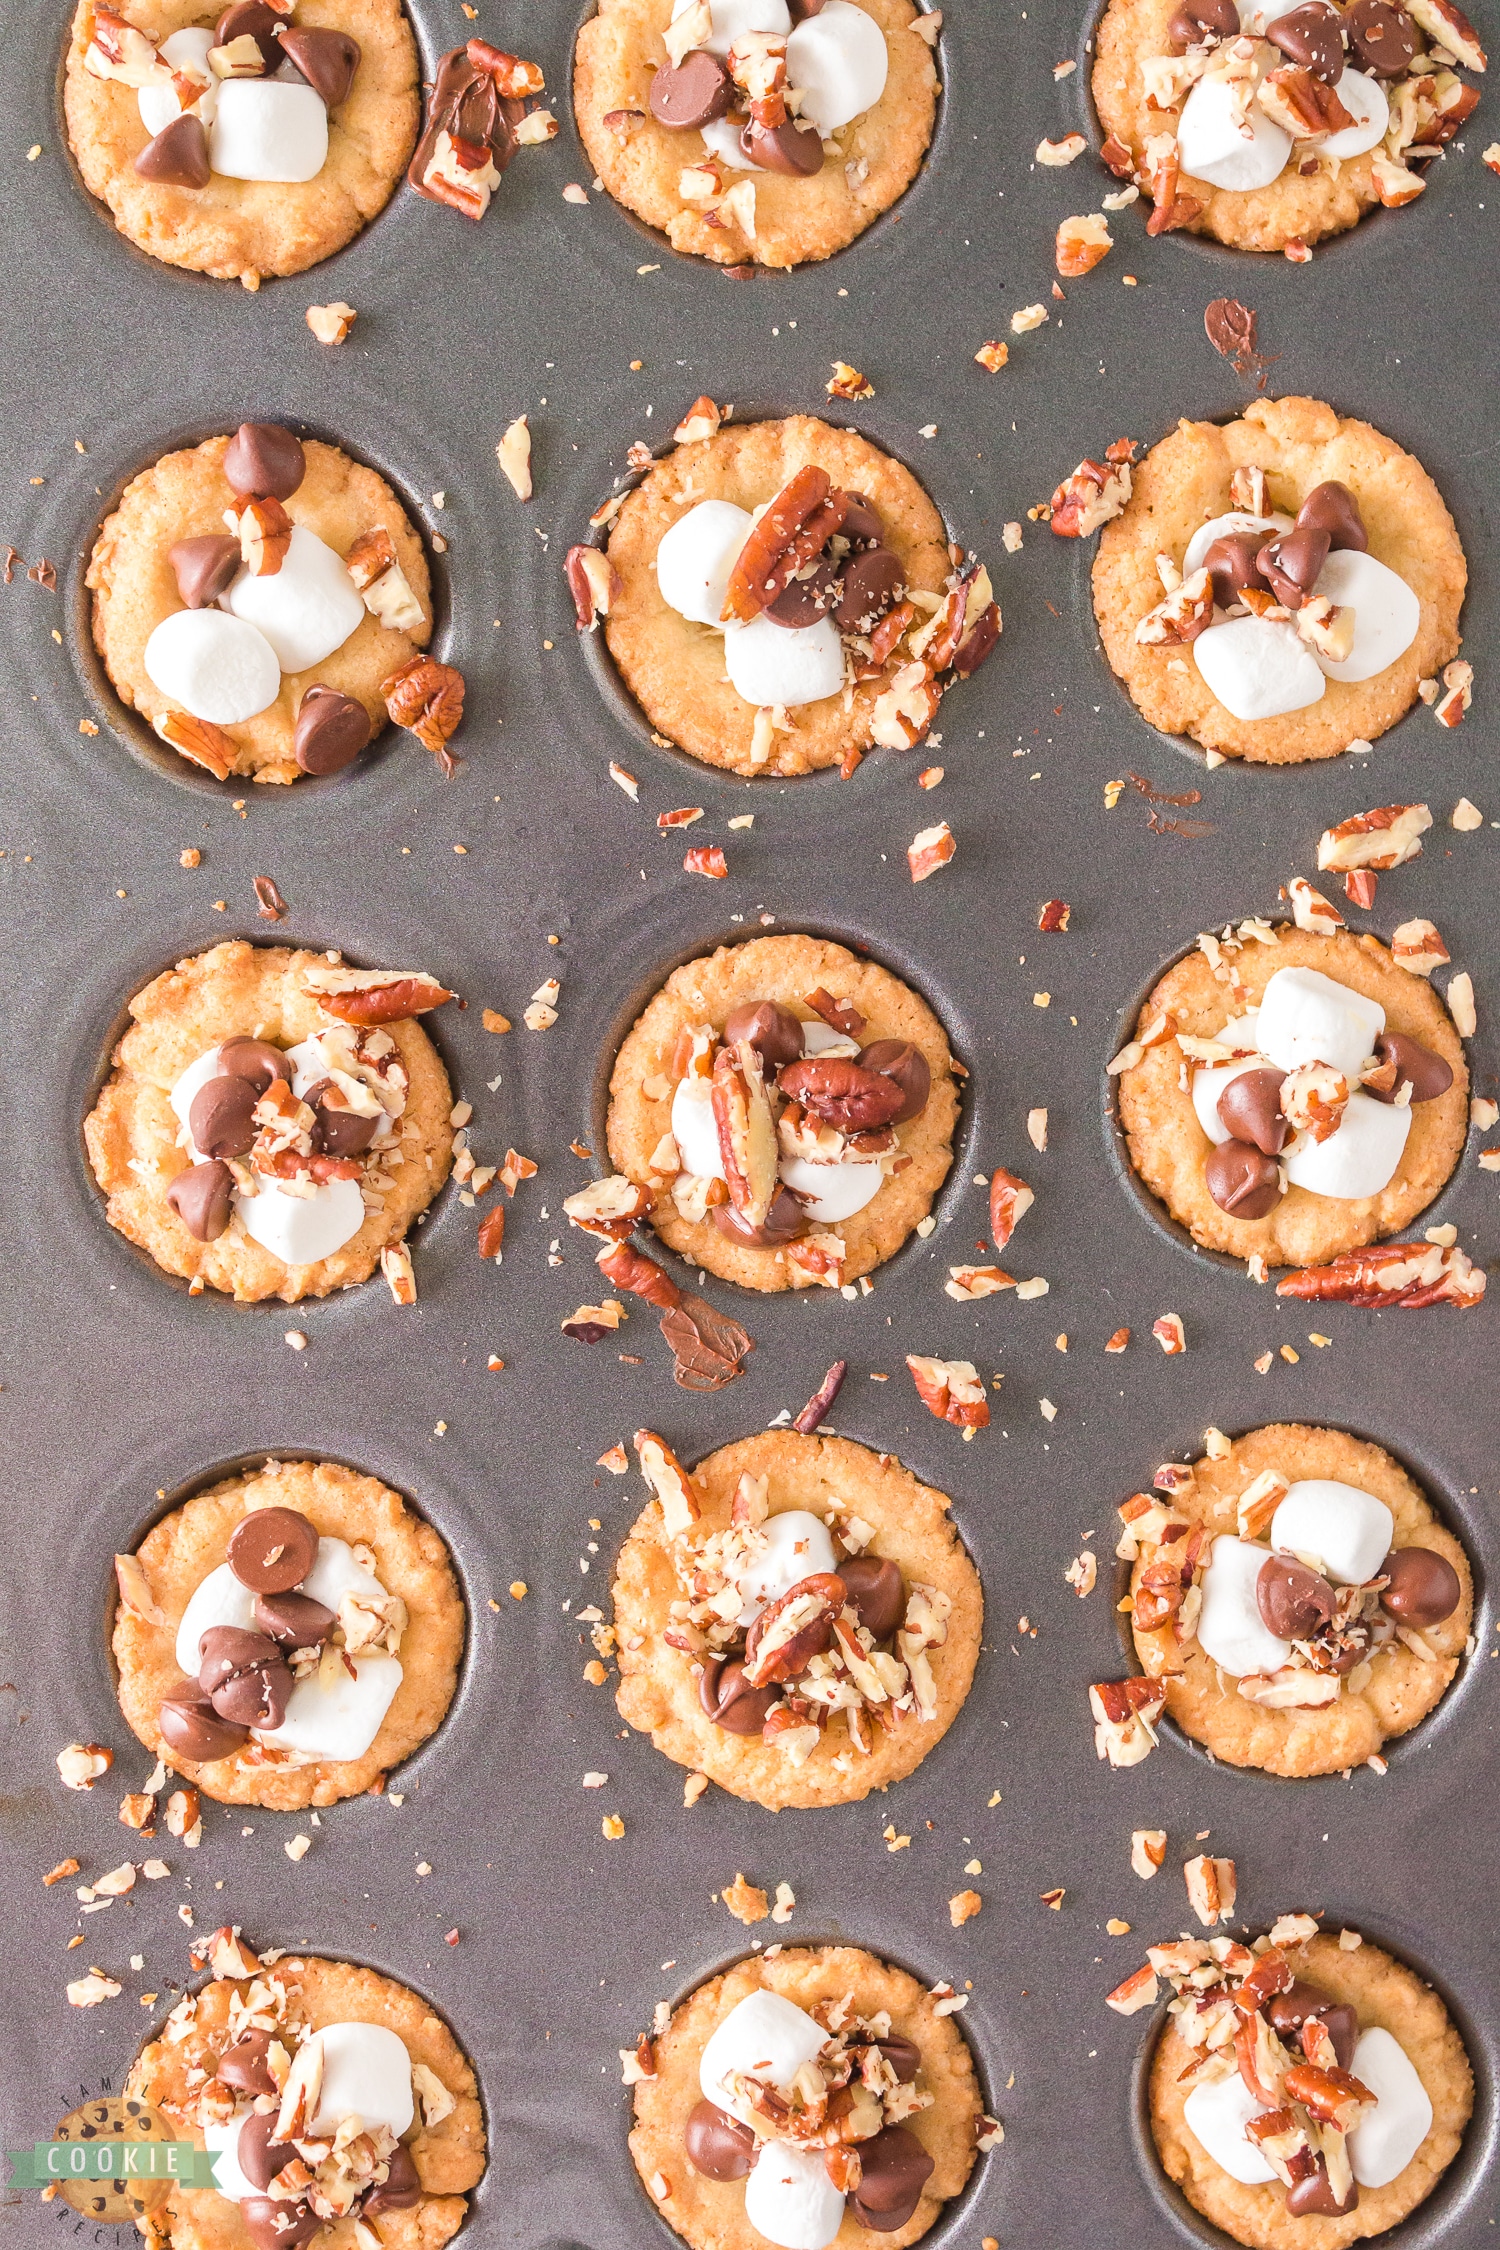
[[122, 1393]]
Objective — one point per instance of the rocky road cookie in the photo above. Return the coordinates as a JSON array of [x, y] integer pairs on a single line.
[[251, 143], [274, 1122], [782, 1111], [1307, 2089], [1276, 123], [1276, 587], [256, 597], [288, 1637], [863, 1613], [756, 2063], [754, 130], [778, 596], [1296, 1597], [337, 2084], [1265, 1096]]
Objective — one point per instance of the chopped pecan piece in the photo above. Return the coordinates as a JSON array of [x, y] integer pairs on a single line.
[[1181, 616], [952, 1390], [628, 1268], [610, 1206], [594, 584], [1092, 496], [1082, 243], [373, 996], [1125, 1713], [1410, 1274], [1010, 1200], [1386, 837], [931, 849], [198, 740], [669, 1481], [427, 698]]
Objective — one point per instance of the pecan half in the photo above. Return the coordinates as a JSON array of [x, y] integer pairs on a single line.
[[1410, 1274], [630, 1269], [778, 546], [427, 698], [371, 996], [843, 1093], [747, 1130]]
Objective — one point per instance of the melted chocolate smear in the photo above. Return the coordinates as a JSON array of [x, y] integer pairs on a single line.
[[270, 905], [708, 1347], [43, 574], [1230, 328], [1159, 823]]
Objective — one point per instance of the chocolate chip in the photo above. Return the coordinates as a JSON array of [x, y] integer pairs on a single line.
[[192, 1728], [400, 2190], [805, 600], [1233, 563], [251, 19], [691, 93], [773, 1031], [1424, 1587], [204, 568], [899, 1059], [272, 2223], [1314, 2196], [729, 1702], [790, 148], [1382, 38], [871, 582], [903, 2055], [243, 1676], [894, 2170], [1416, 1066], [1332, 507], [260, 2156], [177, 156], [326, 59], [1294, 1602], [256, 1060], [244, 2066], [786, 1221], [1190, 23], [331, 730], [203, 1197], [337, 1132], [1312, 36], [1290, 564], [708, 1347], [294, 1620], [1250, 1109], [1242, 1180], [861, 526], [271, 1550], [221, 1116], [876, 1591], [718, 2145], [264, 462]]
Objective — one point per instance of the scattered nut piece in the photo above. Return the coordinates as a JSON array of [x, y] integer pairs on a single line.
[[963, 1907], [745, 1902], [82, 1764], [331, 323], [993, 355], [514, 455], [1148, 1850]]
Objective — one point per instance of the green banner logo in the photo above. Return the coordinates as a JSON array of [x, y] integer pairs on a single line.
[[51, 2163]]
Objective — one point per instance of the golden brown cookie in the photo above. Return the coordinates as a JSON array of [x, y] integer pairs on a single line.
[[783, 969], [674, 668], [1385, 1993], [184, 496], [901, 1521], [710, 2214], [238, 990], [290, 1997], [795, 220], [241, 230], [1184, 482], [410, 1562], [1382, 1697], [1168, 1146]]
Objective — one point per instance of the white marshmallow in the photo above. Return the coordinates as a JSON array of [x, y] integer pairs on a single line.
[[696, 555], [721, 137], [789, 2197], [1347, 1531], [1213, 147], [820, 1038], [765, 2036], [834, 1191], [1386, 612], [1360, 1158], [309, 1063], [1208, 1085], [185, 50], [306, 609], [799, 1546], [341, 1719], [1258, 667], [1306, 1017], [838, 61], [1231, 1630], [694, 1130], [223, 2143], [301, 1229], [218, 1599], [1365, 100], [219, 668], [732, 18], [1216, 2116], [265, 130], [1221, 527], [335, 1573], [195, 1076], [366, 2074], [1387, 2137], [770, 663]]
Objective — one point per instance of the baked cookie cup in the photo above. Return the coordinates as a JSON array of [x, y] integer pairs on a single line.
[[335, 2083], [1277, 587], [213, 1162], [783, 1112], [1347, 2105], [288, 1637], [1249, 1114], [755, 2065], [214, 148], [1297, 1597], [780, 596], [662, 104], [810, 1634]]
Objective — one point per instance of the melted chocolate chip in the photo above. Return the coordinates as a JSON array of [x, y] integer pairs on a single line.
[[221, 1116], [790, 148], [1314, 2196], [1231, 329], [1250, 1108], [177, 156], [1416, 1066], [1311, 35], [1294, 1602], [1332, 507], [876, 1591], [1190, 23], [1424, 1587], [1233, 563], [903, 2055], [251, 19], [718, 2145], [204, 568], [805, 600], [1290, 564], [729, 1702], [691, 93], [773, 1031], [1290, 2010], [895, 2169], [899, 1059], [401, 2189], [272, 2223], [326, 59], [1242, 1180], [331, 730], [256, 1060], [466, 106], [244, 2066], [1382, 38], [243, 1676], [786, 1221], [861, 526], [203, 1197], [871, 582], [337, 1132], [294, 1620], [708, 1347], [271, 1550], [193, 1729], [264, 462]]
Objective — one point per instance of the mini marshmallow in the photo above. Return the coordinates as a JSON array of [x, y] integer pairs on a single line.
[[1208, 1085], [1347, 1532], [789, 2197], [733, 18], [219, 668], [222, 2143], [1306, 1017], [185, 50], [366, 2074], [838, 61], [696, 555], [335, 1573], [218, 1599], [1231, 1631], [769, 663], [1223, 527], [1386, 613], [301, 1229], [765, 2036], [721, 137], [1388, 2136], [197, 1074], [799, 1547], [1365, 100], [1213, 146], [1216, 2115], [1360, 1158], [338, 1718], [1258, 667], [694, 1130], [833, 1191], [266, 130], [306, 609]]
